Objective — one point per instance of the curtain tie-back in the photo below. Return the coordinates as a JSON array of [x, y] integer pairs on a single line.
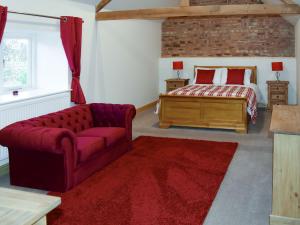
[[76, 75]]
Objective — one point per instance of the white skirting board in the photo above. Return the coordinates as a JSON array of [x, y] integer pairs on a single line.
[[28, 108]]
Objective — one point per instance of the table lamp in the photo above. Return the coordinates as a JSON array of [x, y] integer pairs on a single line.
[[277, 66], [178, 65]]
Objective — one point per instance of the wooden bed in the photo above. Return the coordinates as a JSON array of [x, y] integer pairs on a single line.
[[206, 112]]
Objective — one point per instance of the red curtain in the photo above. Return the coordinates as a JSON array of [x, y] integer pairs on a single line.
[[71, 35], [3, 18]]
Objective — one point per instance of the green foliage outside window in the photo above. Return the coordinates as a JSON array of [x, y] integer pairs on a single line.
[[15, 62]]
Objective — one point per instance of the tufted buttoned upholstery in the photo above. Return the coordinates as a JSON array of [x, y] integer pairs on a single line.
[[76, 119], [48, 153]]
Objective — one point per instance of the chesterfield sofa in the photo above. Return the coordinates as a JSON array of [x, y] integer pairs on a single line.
[[57, 151]]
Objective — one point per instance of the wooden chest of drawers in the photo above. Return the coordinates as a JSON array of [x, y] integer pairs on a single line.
[[277, 93], [173, 84]]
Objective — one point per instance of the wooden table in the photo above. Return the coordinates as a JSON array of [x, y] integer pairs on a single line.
[[25, 208], [286, 165]]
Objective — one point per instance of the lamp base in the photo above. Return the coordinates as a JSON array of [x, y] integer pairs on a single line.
[[178, 74], [277, 76]]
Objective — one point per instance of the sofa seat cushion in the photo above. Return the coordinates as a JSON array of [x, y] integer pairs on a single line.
[[88, 146], [111, 134]]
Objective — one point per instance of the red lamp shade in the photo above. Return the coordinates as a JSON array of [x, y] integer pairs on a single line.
[[178, 65], [277, 66]]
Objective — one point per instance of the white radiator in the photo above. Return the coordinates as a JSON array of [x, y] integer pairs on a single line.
[[24, 107]]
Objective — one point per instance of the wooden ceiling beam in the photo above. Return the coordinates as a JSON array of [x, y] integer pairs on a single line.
[[211, 10], [102, 4]]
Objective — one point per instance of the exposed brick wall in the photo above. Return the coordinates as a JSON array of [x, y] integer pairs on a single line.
[[222, 2], [228, 36]]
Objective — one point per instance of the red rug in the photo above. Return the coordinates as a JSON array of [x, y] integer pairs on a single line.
[[162, 181]]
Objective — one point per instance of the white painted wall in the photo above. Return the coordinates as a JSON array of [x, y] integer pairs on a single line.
[[128, 54], [264, 71], [65, 8]]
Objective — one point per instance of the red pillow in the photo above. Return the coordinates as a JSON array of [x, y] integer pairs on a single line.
[[205, 76], [235, 76]]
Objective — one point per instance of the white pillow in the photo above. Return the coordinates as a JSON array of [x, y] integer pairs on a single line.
[[224, 76], [217, 75], [247, 77]]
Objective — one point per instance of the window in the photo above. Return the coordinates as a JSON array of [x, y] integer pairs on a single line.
[[16, 69]]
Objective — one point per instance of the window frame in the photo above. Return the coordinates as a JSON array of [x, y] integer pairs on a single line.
[[32, 79]]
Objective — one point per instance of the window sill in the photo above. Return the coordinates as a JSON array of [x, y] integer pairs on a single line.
[[29, 94]]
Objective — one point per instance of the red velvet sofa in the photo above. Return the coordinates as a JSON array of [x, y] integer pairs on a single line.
[[55, 152]]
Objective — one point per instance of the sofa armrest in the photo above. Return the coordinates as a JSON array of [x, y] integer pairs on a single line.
[[113, 115], [34, 150], [25, 137]]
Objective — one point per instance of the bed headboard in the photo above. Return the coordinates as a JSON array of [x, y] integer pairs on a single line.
[[253, 68]]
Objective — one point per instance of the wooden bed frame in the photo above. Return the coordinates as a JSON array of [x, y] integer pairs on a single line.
[[206, 112]]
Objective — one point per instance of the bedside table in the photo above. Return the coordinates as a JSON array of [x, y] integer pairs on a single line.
[[172, 84], [277, 93]]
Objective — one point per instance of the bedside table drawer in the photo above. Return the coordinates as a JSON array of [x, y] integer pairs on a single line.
[[277, 103], [278, 97], [278, 88], [174, 84]]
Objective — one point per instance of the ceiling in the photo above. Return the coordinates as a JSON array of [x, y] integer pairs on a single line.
[[90, 2]]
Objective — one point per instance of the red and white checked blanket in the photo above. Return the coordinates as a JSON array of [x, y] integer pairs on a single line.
[[222, 91]]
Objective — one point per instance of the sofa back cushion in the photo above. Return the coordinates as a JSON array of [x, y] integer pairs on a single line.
[[76, 119]]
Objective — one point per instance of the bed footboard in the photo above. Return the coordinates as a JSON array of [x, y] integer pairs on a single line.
[[205, 112]]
